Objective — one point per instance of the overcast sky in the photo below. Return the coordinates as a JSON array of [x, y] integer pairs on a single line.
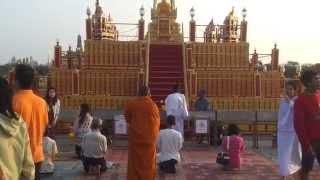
[[31, 27]]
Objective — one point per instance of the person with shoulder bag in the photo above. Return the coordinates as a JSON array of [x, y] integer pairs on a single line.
[[233, 145], [223, 157]]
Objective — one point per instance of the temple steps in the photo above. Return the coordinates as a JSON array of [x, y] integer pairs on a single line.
[[165, 70]]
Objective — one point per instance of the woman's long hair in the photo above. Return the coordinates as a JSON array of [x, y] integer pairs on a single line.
[[50, 100], [6, 97], [84, 110]]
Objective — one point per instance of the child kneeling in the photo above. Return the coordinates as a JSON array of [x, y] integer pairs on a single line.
[[169, 145], [94, 146]]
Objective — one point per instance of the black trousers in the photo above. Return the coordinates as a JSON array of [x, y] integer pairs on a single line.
[[168, 166], [37, 170], [308, 158], [78, 151], [52, 132], [87, 162]]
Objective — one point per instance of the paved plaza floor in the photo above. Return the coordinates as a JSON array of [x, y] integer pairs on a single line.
[[198, 164]]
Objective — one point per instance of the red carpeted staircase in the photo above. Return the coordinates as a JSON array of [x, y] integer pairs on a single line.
[[165, 70]]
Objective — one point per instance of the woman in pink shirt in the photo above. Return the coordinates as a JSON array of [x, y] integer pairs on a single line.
[[234, 145]]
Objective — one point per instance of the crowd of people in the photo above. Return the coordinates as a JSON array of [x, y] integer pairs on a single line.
[[25, 123], [28, 130], [298, 127]]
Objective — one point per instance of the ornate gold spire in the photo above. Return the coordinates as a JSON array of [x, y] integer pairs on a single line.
[[167, 29], [164, 8], [101, 27], [88, 11], [230, 32], [99, 11], [231, 14]]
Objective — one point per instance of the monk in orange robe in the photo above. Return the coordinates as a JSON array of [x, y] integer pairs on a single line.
[[143, 118]]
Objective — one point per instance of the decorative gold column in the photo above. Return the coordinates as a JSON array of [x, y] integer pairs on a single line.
[[192, 28], [275, 58], [192, 31]]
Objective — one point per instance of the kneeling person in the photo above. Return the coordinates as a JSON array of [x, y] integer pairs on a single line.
[[50, 150], [94, 146], [169, 145]]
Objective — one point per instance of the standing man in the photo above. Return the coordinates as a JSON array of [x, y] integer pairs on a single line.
[[33, 110], [143, 118], [176, 105], [307, 121], [202, 104]]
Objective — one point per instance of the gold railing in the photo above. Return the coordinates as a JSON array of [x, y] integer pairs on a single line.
[[243, 104], [147, 59], [109, 102], [186, 91]]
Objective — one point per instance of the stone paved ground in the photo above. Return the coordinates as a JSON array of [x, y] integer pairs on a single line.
[[198, 164]]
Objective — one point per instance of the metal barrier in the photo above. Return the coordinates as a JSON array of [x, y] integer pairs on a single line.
[[255, 124]]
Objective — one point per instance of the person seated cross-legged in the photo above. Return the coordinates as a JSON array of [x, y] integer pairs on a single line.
[[169, 145], [94, 146]]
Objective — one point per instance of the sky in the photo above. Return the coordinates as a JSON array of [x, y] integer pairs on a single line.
[[31, 27]]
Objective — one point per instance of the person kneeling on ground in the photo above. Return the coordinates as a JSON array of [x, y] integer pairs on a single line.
[[82, 126], [94, 146], [50, 150], [234, 145], [169, 144]]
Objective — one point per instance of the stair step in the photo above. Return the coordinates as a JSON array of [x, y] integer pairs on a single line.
[[164, 74], [157, 86], [165, 63], [167, 78], [166, 71], [171, 84], [165, 56], [167, 50], [165, 68]]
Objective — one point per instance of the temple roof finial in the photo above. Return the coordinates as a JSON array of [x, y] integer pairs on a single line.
[[88, 11]]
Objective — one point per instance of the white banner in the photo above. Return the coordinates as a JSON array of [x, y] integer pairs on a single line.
[[201, 126], [120, 125]]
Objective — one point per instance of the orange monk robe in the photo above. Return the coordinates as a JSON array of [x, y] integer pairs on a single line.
[[143, 120]]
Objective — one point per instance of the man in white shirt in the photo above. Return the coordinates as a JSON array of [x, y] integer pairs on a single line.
[[176, 105], [169, 144], [94, 146]]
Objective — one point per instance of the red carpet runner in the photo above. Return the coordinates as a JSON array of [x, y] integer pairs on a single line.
[[165, 69]]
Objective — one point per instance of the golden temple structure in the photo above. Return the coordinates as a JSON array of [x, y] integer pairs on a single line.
[[107, 72]]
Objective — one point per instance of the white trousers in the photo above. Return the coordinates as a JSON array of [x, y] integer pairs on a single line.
[[289, 153]]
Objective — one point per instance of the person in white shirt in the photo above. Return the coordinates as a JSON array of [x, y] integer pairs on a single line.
[[176, 105], [50, 150], [169, 144], [94, 147], [289, 149]]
